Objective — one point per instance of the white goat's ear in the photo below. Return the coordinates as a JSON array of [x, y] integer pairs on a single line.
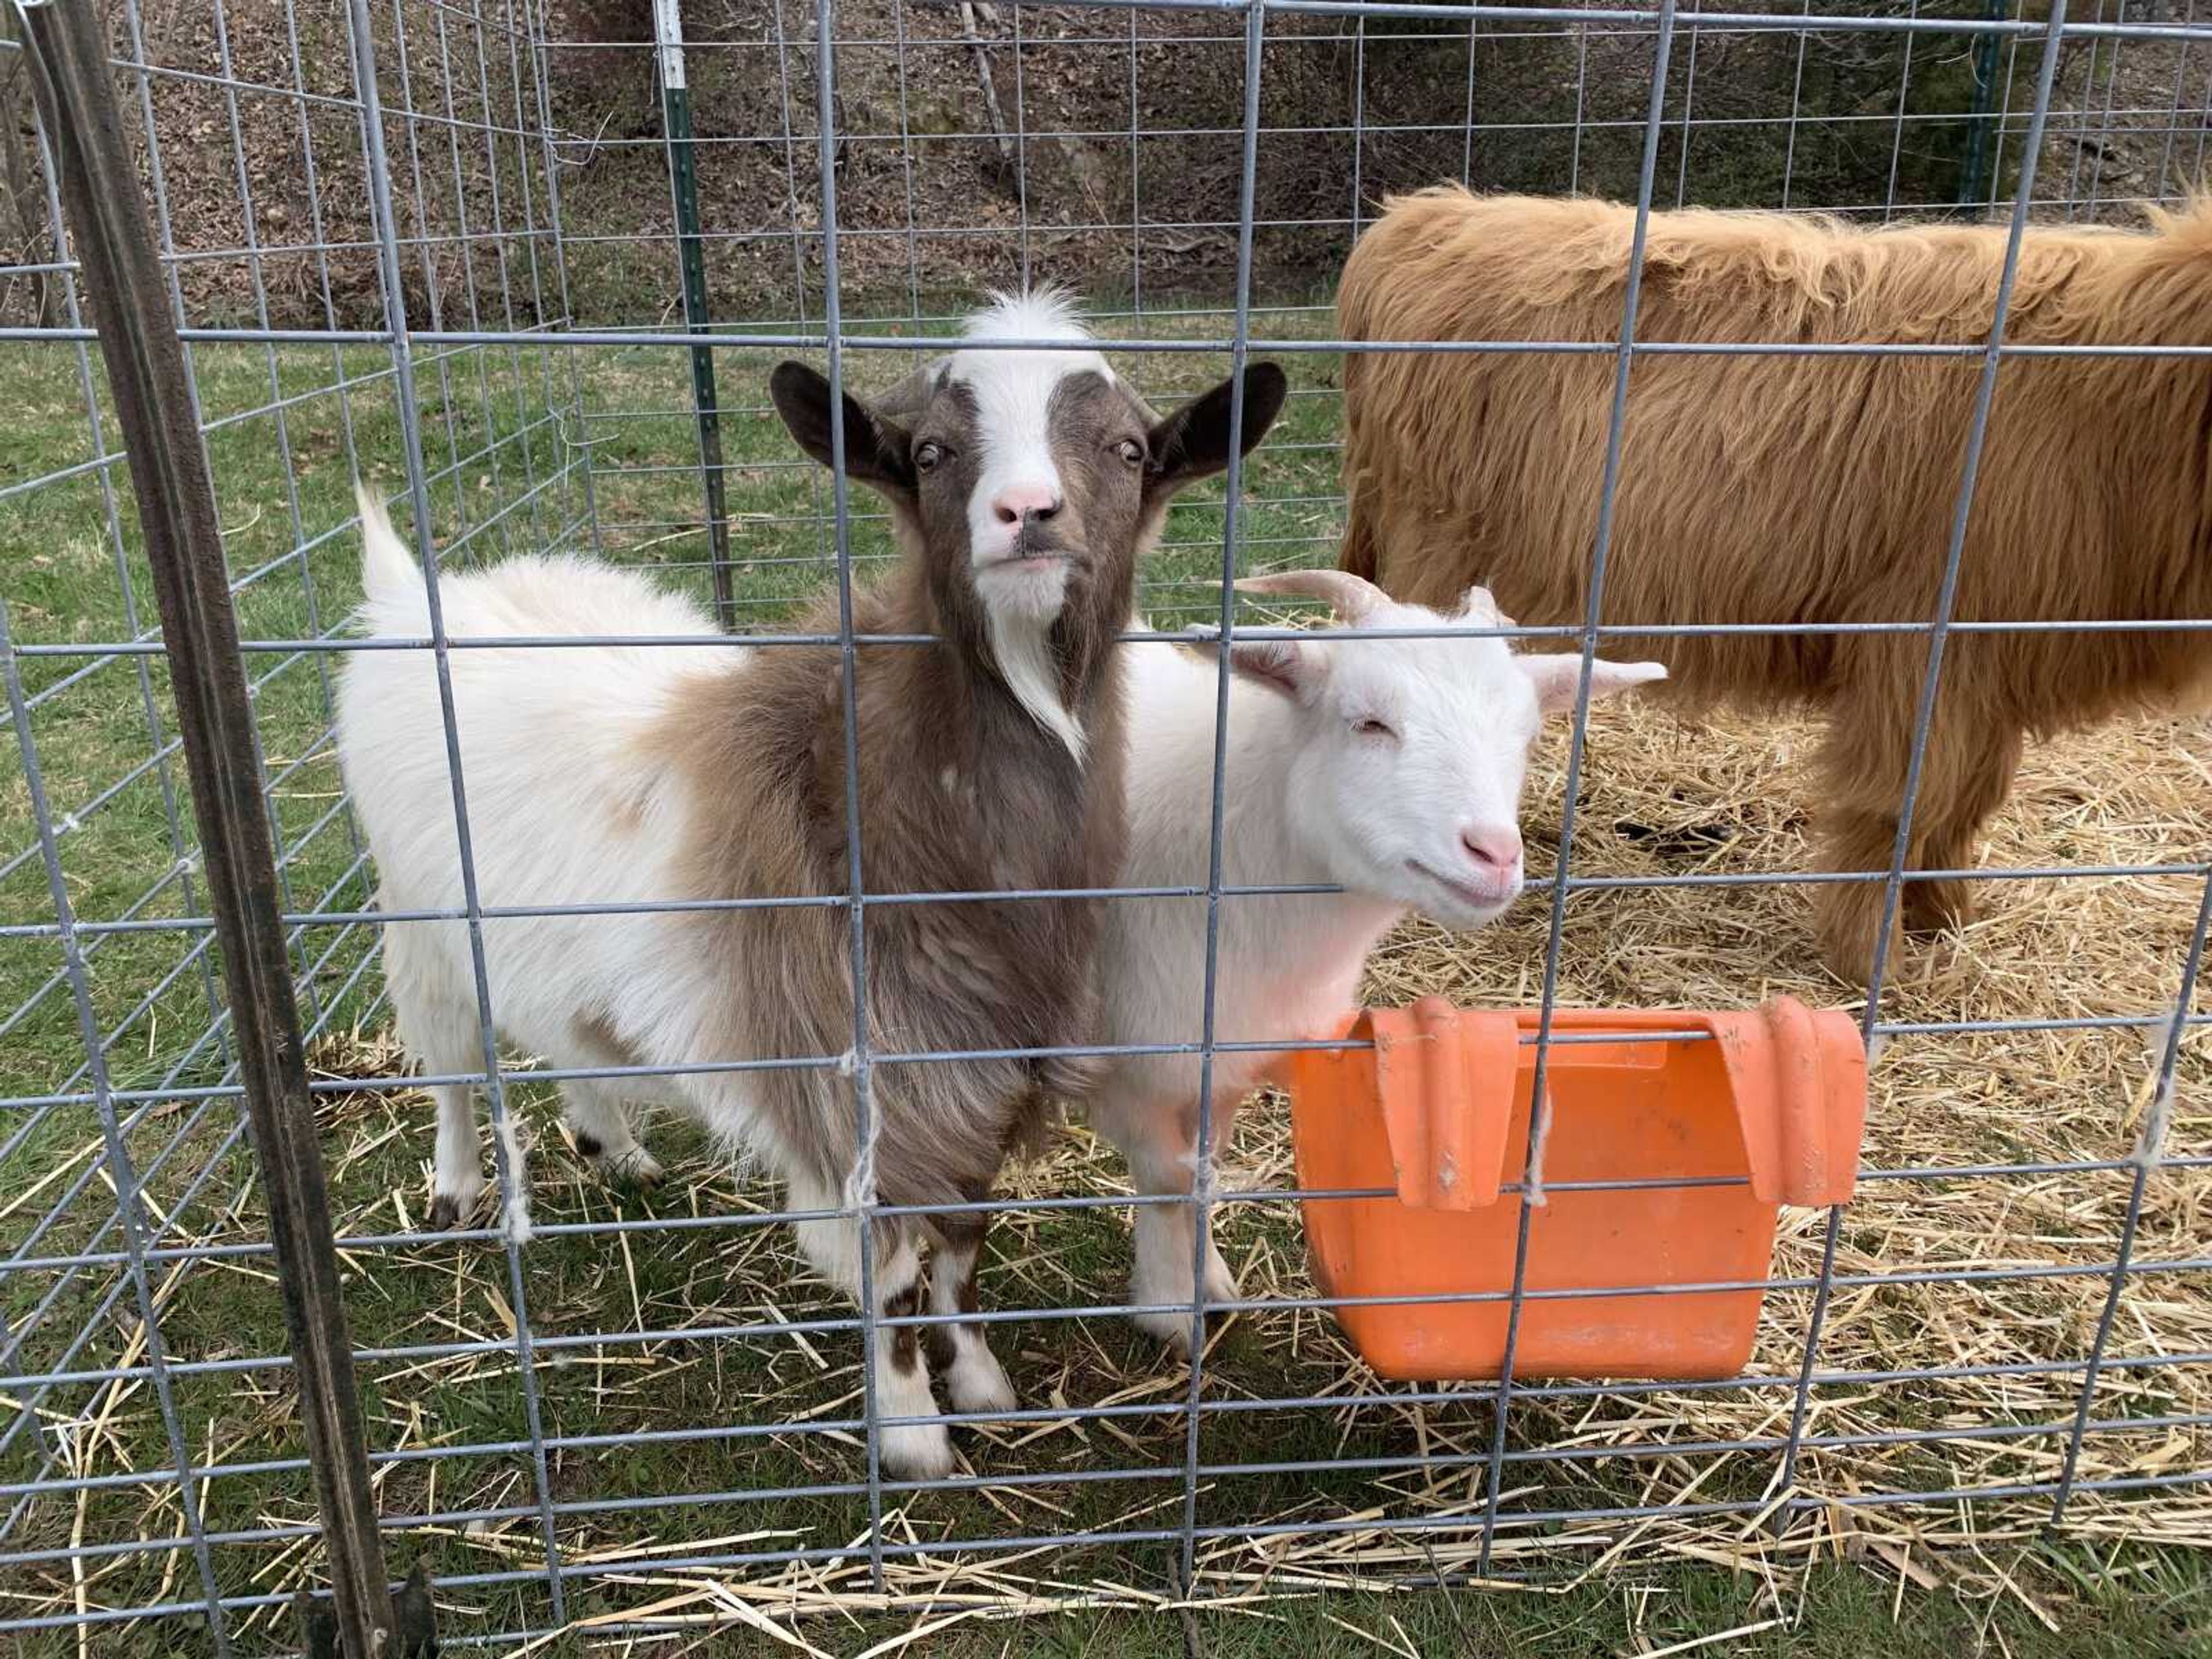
[[1292, 667], [1479, 609], [1557, 675]]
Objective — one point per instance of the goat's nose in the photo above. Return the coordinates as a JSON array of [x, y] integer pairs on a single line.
[[1493, 847], [1019, 503]]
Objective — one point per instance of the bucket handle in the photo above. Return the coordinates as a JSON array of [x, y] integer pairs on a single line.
[[1447, 1078]]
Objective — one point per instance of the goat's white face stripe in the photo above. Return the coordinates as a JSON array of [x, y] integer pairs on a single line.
[[1013, 392], [1008, 438]]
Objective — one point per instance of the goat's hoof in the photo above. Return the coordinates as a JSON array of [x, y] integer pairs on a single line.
[[915, 1451], [978, 1383], [1220, 1282], [451, 1210], [624, 1166], [452, 1203], [1172, 1329]]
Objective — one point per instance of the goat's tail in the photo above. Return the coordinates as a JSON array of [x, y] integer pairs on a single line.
[[388, 570]]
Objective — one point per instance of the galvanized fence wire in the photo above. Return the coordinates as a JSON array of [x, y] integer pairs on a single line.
[[1925, 715], [479, 357], [507, 1176], [1539, 1102]]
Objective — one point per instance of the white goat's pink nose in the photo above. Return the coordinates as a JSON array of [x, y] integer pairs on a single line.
[[1493, 847], [1017, 503]]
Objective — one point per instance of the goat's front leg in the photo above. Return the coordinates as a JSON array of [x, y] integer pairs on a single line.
[[1159, 1138], [973, 1376], [457, 1178], [911, 1451]]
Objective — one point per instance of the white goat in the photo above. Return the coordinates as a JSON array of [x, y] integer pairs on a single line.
[[1391, 768]]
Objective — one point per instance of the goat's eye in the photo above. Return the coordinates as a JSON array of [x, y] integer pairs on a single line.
[[1130, 451], [1371, 727], [927, 456]]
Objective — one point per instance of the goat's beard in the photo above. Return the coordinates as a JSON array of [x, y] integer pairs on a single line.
[[1015, 595]]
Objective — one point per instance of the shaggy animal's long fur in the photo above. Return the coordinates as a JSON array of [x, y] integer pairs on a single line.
[[1784, 491]]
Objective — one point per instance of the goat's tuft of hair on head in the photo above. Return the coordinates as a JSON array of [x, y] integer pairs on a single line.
[[1049, 313], [1019, 374]]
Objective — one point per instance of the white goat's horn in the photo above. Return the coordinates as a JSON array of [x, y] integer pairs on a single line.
[[1350, 597]]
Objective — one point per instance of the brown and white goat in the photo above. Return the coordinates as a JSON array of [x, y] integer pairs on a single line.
[[1023, 485], [1776, 491]]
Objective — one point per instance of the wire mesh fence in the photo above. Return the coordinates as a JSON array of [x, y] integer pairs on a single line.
[[524, 269]]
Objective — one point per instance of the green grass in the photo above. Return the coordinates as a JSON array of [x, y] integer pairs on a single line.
[[487, 440], [1832, 1611]]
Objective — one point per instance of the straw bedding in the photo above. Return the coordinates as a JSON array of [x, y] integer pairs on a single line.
[[1660, 798]]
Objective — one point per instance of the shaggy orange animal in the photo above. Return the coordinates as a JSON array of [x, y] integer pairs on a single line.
[[1778, 491]]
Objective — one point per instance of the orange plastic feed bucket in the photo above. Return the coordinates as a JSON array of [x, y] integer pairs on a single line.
[[1771, 1107]]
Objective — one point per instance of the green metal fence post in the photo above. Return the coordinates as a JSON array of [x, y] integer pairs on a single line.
[[683, 188], [1971, 194]]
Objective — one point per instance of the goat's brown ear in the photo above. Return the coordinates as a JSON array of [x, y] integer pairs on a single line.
[[1193, 442], [878, 451]]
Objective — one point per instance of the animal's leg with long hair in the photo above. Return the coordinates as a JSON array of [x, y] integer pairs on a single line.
[[1965, 773], [1864, 760], [1966, 777], [1159, 1139]]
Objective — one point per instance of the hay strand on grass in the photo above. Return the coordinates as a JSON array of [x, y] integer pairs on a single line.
[[1662, 798]]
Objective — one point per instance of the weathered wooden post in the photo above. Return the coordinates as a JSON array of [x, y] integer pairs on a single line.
[[145, 376]]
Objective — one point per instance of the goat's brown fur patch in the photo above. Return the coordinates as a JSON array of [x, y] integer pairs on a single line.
[[904, 1340], [766, 773]]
